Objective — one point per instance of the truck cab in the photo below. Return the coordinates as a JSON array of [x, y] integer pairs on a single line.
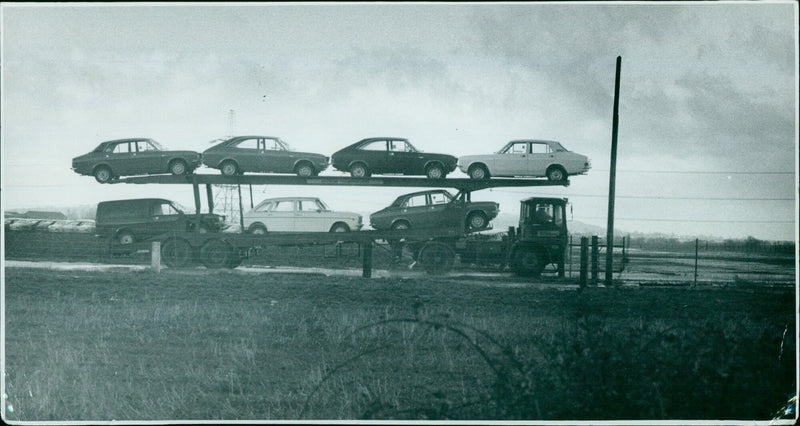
[[541, 237]]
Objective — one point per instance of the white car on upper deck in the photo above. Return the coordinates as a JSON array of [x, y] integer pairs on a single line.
[[526, 158]]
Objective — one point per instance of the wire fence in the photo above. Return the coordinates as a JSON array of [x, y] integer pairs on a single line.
[[682, 263]]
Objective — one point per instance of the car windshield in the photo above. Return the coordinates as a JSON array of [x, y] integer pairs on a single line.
[[179, 207], [557, 147], [156, 144], [411, 148], [322, 205], [283, 144]]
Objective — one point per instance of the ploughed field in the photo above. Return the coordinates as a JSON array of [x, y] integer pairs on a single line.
[[197, 344]]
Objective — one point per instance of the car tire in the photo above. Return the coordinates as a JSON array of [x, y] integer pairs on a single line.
[[359, 170], [229, 168], [102, 174], [401, 225], [177, 167], [478, 171], [304, 169], [477, 220], [125, 238], [257, 229], [556, 173], [435, 171], [340, 227]]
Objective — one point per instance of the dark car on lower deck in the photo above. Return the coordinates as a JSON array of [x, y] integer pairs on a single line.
[[435, 209], [133, 156], [391, 155]]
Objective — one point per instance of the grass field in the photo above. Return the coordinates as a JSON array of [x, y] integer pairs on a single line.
[[201, 345]]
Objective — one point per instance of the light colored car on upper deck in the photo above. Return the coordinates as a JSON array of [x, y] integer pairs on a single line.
[[526, 158], [298, 214]]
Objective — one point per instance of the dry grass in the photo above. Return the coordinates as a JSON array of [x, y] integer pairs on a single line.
[[197, 344]]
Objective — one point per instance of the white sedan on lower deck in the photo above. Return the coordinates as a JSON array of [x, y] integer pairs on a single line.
[[298, 214], [528, 158]]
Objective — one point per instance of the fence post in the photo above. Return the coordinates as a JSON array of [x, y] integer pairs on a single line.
[[584, 261], [155, 256], [570, 256], [367, 264], [696, 247], [595, 256]]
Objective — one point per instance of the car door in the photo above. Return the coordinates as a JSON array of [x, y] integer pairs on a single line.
[[274, 156], [120, 158], [513, 161], [148, 158], [309, 217], [399, 159], [415, 209], [247, 153], [541, 156], [441, 209], [282, 216], [164, 217], [374, 154]]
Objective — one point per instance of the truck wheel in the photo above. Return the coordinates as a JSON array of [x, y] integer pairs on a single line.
[[176, 253], [216, 253], [528, 262], [556, 173], [436, 258], [228, 168], [477, 220], [102, 174]]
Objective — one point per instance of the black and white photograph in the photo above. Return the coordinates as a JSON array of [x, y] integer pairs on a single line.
[[414, 212]]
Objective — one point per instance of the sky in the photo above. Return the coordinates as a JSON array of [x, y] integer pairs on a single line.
[[708, 97]]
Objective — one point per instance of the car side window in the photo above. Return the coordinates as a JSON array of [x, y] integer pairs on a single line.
[[399, 146], [143, 146], [265, 208], [248, 144], [308, 206], [540, 148], [415, 201], [518, 148], [120, 148], [439, 198], [163, 209], [375, 146], [283, 206]]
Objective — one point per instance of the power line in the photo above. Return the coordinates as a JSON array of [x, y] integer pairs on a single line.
[[693, 220], [699, 172]]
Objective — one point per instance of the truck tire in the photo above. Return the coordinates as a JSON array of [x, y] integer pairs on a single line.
[[528, 262], [436, 258], [216, 253], [176, 253]]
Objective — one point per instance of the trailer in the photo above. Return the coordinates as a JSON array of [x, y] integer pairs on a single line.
[[434, 250]]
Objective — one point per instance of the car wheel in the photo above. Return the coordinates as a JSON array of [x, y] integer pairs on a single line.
[[125, 238], [228, 168], [177, 167], [304, 170], [434, 171], [477, 220], [478, 171], [258, 229], [102, 174], [556, 173], [340, 227], [359, 170], [400, 225]]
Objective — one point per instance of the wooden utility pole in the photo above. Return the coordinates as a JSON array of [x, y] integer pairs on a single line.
[[612, 182]]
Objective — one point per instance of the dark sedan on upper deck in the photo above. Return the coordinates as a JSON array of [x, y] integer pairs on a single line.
[[391, 155], [262, 154], [134, 156]]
